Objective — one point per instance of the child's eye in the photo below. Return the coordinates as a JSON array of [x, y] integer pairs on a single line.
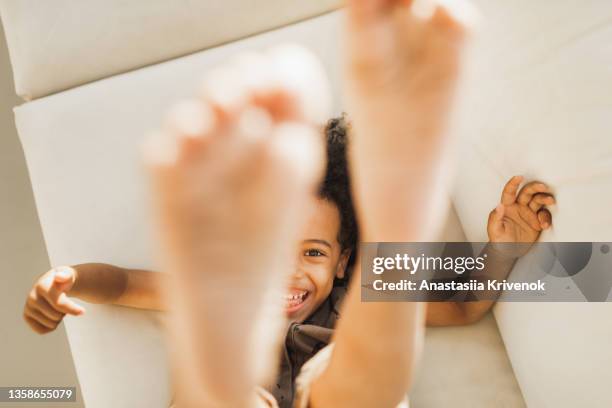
[[313, 252]]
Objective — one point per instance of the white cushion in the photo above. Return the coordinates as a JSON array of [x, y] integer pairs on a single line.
[[83, 152], [538, 103], [456, 361], [465, 367], [56, 45], [82, 148], [542, 80]]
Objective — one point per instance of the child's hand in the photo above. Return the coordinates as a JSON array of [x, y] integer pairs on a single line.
[[47, 302], [521, 217]]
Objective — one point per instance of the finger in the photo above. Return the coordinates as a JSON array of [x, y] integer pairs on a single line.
[[530, 218], [545, 218], [37, 327], [64, 274], [59, 301], [43, 291], [40, 318], [54, 292], [509, 192], [496, 221], [65, 305], [63, 279], [43, 288], [529, 190], [540, 200], [42, 305]]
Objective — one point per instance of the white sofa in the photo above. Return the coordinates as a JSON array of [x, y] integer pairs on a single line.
[[98, 75]]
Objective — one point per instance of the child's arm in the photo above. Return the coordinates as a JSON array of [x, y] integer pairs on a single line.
[[103, 283], [48, 301], [519, 218], [463, 313]]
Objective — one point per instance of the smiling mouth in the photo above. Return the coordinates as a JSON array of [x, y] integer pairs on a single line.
[[295, 300]]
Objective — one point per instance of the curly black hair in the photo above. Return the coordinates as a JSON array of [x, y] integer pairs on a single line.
[[336, 184]]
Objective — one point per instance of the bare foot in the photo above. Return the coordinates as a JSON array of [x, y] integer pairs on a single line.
[[402, 66], [231, 170], [403, 62]]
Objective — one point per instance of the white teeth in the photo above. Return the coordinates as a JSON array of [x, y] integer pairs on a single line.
[[296, 296]]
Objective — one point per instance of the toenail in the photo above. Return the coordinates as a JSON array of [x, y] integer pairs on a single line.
[[223, 87], [191, 118], [255, 123]]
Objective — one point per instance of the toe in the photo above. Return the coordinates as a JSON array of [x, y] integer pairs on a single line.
[[260, 87], [159, 150], [287, 81], [301, 76], [190, 125], [190, 119], [224, 90], [186, 131], [254, 124], [298, 149]]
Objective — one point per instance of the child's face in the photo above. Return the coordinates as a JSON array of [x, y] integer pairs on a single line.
[[320, 260]]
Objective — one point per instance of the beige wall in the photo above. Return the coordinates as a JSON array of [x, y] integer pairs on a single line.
[[26, 359]]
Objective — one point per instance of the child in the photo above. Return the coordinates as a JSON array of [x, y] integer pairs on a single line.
[[314, 292], [233, 180], [320, 281]]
